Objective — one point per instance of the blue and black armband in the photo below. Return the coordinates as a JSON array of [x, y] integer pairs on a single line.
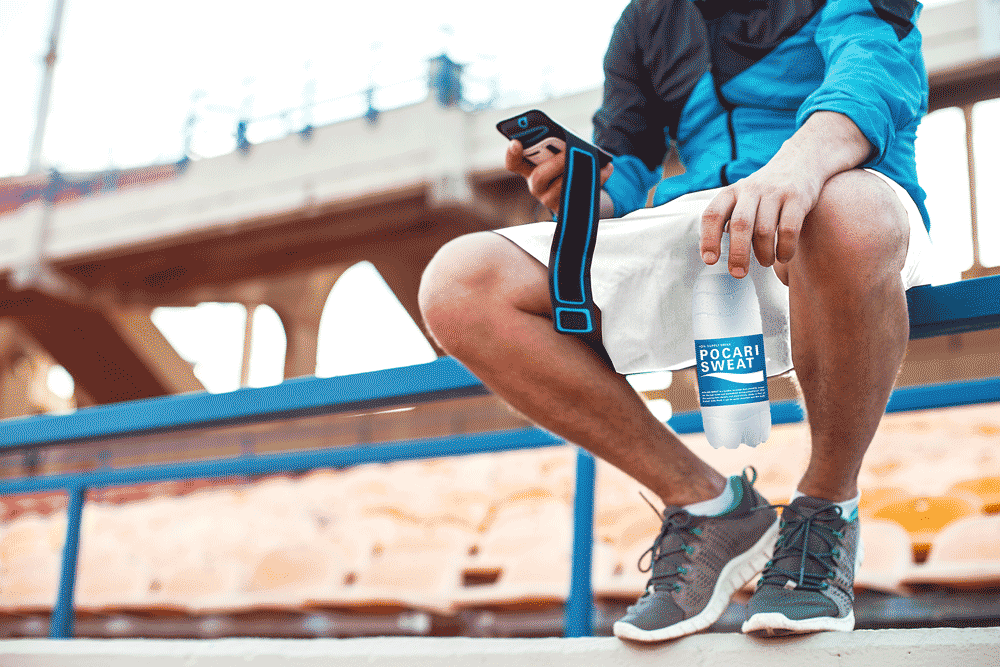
[[573, 308]]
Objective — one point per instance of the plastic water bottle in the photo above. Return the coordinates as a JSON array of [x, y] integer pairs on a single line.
[[729, 357]]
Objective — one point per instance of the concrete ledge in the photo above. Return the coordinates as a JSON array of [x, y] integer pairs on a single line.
[[877, 648]]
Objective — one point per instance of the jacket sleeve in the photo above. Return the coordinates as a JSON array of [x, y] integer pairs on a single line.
[[874, 71], [630, 183]]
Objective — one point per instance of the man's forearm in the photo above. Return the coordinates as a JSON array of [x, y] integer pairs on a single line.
[[828, 143]]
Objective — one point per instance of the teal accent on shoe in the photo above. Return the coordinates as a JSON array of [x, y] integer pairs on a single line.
[[696, 564], [808, 584]]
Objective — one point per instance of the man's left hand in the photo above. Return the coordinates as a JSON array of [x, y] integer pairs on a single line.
[[767, 209]]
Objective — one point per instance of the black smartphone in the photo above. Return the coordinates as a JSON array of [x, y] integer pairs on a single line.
[[541, 137]]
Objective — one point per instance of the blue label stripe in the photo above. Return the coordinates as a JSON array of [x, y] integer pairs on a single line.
[[731, 371]]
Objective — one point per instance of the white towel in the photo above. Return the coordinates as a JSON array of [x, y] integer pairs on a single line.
[[643, 272], [642, 276]]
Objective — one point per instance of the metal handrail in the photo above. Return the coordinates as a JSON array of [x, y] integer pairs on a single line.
[[578, 610], [969, 305]]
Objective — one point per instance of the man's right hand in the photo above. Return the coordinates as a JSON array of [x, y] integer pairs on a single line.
[[544, 180]]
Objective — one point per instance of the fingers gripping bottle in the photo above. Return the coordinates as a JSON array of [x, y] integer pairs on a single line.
[[729, 357]]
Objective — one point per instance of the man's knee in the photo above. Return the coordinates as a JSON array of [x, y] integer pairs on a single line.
[[462, 283], [457, 269], [857, 224]]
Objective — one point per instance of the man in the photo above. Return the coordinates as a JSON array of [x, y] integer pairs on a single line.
[[796, 123]]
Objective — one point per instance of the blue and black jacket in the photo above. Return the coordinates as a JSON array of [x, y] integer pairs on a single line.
[[730, 80]]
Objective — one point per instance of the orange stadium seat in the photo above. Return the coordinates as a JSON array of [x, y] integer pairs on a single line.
[[417, 573], [923, 518], [876, 498], [527, 550], [618, 576], [195, 587], [390, 561], [113, 573], [30, 554], [985, 489], [888, 556], [198, 548], [618, 503], [966, 554], [287, 578], [612, 524]]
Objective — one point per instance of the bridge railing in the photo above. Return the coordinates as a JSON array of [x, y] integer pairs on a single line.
[[964, 306]]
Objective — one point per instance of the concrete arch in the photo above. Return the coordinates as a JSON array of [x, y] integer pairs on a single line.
[[394, 350], [299, 300]]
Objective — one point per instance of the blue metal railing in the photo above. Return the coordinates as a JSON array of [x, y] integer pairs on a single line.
[[967, 306]]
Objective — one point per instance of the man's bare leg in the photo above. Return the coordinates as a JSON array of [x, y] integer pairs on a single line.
[[849, 323], [849, 333], [487, 303]]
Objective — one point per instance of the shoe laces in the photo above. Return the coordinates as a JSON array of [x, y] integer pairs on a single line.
[[675, 525], [800, 547]]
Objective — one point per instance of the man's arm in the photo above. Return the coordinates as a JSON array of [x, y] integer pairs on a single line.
[[874, 85], [766, 209]]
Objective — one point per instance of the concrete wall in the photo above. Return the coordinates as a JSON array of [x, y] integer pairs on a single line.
[[883, 648]]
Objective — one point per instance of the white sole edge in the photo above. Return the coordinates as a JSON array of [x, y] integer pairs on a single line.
[[733, 576], [776, 624]]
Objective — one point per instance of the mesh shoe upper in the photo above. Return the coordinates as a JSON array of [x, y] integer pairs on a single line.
[[689, 553], [812, 571]]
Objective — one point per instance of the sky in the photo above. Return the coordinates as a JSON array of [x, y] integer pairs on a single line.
[[127, 70], [130, 75]]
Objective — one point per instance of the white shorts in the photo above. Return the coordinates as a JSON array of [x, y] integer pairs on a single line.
[[644, 269]]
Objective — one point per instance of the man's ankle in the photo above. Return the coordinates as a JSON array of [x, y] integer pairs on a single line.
[[835, 494], [714, 506], [696, 490]]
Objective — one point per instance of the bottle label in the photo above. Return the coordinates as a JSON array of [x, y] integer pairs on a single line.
[[731, 370]]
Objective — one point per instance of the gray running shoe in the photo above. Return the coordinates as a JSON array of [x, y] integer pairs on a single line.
[[698, 562], [808, 585]]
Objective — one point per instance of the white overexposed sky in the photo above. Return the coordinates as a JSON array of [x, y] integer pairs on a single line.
[[130, 74], [127, 70]]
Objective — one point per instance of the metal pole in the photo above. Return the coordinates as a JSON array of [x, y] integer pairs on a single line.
[[976, 269], [580, 606], [61, 624], [35, 161], [251, 308]]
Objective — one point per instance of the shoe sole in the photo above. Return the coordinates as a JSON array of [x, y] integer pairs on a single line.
[[734, 575], [776, 624]]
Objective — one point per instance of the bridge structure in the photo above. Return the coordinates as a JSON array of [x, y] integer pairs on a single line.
[[278, 223]]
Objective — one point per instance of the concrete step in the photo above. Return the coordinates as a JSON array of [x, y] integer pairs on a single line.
[[968, 647]]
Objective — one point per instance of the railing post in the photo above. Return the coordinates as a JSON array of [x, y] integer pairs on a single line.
[[580, 606], [61, 623]]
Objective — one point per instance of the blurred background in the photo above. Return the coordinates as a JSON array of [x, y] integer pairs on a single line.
[[204, 196]]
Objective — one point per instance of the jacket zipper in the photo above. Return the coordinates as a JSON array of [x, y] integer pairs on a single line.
[[729, 107]]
